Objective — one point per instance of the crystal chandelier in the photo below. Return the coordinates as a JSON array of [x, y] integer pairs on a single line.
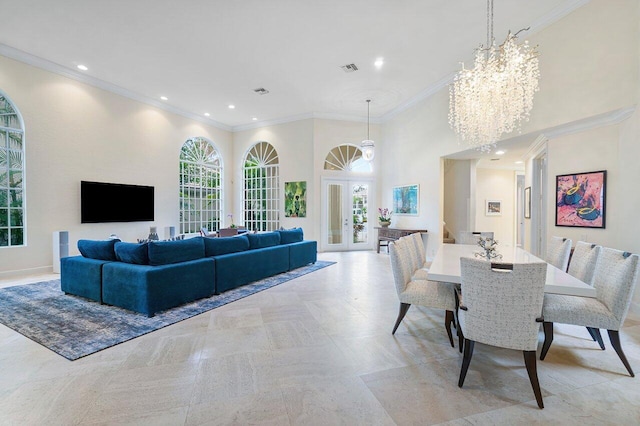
[[496, 96], [367, 146]]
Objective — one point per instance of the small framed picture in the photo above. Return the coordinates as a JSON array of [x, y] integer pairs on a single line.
[[405, 200], [493, 208], [527, 202]]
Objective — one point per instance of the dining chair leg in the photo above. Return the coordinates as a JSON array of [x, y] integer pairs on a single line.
[[614, 338], [460, 337], [596, 336], [548, 338], [448, 320], [404, 307], [466, 360], [530, 362]]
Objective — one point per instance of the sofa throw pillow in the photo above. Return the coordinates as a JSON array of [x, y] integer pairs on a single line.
[[167, 252], [262, 240], [289, 236], [225, 245], [100, 250], [132, 253]]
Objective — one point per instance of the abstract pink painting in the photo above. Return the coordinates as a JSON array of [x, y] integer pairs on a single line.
[[580, 199]]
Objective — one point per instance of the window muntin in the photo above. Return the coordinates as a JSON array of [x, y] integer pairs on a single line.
[[12, 187], [261, 188], [200, 186], [346, 158]]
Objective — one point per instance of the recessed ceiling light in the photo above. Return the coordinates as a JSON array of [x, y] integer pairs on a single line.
[[206, 114], [519, 162], [379, 62], [232, 106], [164, 98], [82, 67], [500, 152], [255, 118]]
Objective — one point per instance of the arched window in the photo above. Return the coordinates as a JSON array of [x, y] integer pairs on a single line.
[[346, 158], [12, 188], [261, 188], [200, 186]]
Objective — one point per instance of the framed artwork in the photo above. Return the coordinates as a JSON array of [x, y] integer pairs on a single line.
[[405, 200], [581, 199], [493, 208], [527, 202], [295, 199]]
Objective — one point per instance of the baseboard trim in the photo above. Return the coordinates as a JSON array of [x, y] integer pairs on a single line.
[[25, 272]]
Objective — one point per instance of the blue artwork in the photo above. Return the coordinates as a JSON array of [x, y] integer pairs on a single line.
[[405, 199]]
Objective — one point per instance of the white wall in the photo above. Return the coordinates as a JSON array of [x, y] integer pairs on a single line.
[[494, 184], [76, 132]]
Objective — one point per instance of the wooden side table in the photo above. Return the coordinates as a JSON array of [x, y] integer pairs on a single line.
[[392, 234]]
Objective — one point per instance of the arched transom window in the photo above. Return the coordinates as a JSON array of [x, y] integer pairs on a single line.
[[261, 188], [200, 186], [346, 158], [12, 187]]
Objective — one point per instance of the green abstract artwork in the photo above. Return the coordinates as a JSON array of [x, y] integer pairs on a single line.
[[295, 199]]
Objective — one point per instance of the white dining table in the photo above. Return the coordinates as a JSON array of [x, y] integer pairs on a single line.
[[446, 268]]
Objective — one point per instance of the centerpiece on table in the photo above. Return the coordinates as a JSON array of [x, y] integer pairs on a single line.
[[384, 217], [489, 250]]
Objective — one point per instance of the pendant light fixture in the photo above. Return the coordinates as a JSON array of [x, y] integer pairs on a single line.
[[367, 146], [496, 96]]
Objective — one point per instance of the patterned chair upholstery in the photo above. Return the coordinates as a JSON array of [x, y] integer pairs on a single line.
[[501, 306], [468, 237], [615, 278], [415, 260], [558, 252], [583, 266], [422, 253], [419, 292]]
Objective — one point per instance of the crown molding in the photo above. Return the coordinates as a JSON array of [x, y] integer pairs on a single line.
[[47, 65], [424, 94], [593, 122]]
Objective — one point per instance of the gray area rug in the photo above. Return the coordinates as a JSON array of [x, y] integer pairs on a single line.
[[75, 327]]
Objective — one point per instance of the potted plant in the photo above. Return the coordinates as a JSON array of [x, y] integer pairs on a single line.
[[384, 217]]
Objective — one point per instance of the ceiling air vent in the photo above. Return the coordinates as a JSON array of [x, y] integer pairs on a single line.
[[495, 159], [349, 68], [261, 91]]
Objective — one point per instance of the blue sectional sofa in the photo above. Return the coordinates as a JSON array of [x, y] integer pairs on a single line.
[[159, 275]]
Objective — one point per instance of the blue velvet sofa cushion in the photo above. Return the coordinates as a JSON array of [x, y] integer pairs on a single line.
[[289, 236], [168, 252], [263, 240], [225, 245], [302, 253], [100, 250], [236, 269], [132, 253], [82, 276], [150, 289]]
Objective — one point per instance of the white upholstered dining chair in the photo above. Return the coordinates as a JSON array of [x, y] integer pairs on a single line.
[[417, 259], [501, 305], [615, 278], [583, 266], [558, 252], [418, 292]]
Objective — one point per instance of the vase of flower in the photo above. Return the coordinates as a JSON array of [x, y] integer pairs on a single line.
[[384, 217]]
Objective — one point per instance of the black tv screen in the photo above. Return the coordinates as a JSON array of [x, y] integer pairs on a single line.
[[112, 202]]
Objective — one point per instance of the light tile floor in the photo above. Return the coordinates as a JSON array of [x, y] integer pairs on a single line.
[[317, 350]]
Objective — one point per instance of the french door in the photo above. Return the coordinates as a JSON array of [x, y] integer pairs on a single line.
[[347, 214]]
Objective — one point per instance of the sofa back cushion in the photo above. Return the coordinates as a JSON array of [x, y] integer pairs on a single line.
[[167, 252], [225, 245], [132, 253], [101, 250], [265, 239], [288, 236]]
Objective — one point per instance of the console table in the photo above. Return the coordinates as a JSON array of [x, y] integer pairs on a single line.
[[391, 234]]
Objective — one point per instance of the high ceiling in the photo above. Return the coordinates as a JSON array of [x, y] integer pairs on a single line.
[[206, 54]]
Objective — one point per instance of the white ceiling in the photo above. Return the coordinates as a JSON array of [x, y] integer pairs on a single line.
[[206, 54]]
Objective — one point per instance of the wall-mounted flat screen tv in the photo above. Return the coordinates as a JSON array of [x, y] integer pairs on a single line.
[[112, 202]]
